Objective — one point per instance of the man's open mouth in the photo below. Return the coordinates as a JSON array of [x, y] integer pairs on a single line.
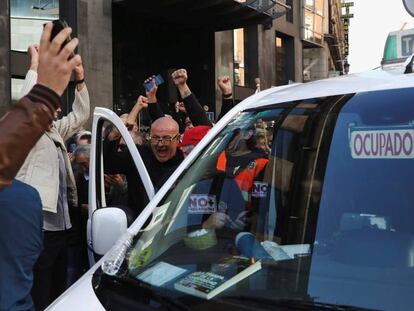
[[162, 151]]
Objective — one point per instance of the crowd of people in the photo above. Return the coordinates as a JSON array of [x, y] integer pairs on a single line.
[[44, 168]]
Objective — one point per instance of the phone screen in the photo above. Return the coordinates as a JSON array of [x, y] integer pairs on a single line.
[[158, 80]]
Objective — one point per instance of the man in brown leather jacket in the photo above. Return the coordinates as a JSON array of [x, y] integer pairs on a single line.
[[21, 236], [26, 121]]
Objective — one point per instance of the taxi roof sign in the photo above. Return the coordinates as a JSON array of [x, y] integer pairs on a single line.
[[398, 46]]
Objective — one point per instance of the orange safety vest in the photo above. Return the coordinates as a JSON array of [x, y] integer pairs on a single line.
[[245, 178]]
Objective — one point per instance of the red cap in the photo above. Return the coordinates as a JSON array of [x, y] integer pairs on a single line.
[[192, 136]]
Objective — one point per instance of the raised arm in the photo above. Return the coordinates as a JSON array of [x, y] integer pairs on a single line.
[[31, 76], [194, 110], [27, 120], [70, 124], [154, 108], [142, 103], [81, 105], [224, 84]]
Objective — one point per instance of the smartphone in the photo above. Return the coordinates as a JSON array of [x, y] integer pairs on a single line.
[[158, 80], [58, 25]]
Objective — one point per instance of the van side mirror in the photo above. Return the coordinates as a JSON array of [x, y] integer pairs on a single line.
[[108, 224]]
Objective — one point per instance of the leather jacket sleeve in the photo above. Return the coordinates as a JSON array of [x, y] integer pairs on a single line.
[[22, 126]]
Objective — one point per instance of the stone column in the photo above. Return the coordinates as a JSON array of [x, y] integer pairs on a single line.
[[224, 60], [95, 34], [267, 57], [4, 56]]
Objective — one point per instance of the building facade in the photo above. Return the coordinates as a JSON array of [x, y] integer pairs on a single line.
[[21, 23], [122, 42]]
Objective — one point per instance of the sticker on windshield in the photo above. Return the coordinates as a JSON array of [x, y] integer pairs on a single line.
[[202, 204], [260, 189], [138, 258], [160, 274], [382, 143]]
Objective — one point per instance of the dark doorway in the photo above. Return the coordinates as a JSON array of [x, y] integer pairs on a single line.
[[285, 59], [148, 48]]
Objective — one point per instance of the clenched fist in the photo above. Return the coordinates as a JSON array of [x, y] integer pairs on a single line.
[[179, 77], [224, 83], [180, 80]]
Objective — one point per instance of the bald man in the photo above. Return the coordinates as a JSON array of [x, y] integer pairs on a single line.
[[164, 138], [161, 158]]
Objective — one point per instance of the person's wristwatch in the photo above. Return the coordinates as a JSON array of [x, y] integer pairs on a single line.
[[80, 81]]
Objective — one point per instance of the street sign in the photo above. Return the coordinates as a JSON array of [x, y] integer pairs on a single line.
[[347, 4], [347, 15]]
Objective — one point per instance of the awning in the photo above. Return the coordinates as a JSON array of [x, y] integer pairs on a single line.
[[192, 14]]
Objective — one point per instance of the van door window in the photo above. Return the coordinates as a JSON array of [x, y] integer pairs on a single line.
[[122, 183]]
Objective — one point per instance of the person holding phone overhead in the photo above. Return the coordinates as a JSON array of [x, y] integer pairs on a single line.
[[161, 157], [48, 169], [20, 205]]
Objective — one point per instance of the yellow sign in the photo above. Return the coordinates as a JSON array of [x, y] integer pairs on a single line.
[[347, 16], [347, 4]]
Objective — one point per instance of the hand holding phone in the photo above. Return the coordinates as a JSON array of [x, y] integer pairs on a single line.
[[158, 80], [58, 25], [55, 68]]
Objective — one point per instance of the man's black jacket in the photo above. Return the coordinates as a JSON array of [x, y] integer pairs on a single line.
[[120, 162]]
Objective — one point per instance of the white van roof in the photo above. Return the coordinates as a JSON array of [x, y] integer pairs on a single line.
[[377, 79]]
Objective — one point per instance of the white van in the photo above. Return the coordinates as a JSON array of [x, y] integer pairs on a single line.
[[320, 217]]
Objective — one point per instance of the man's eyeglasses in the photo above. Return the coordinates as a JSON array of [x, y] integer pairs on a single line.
[[165, 140]]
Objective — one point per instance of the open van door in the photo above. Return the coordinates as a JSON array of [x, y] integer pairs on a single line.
[[107, 223]]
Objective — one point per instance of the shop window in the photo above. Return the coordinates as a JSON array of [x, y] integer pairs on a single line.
[[313, 21], [37, 9], [26, 21], [16, 89]]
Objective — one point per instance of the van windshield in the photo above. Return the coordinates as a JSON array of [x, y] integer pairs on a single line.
[[305, 204]]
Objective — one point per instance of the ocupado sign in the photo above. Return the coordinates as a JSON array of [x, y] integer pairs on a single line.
[[382, 143]]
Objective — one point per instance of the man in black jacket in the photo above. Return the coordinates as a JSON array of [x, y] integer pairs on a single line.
[[161, 158]]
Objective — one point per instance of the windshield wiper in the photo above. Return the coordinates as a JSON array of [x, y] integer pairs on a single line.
[[296, 304]]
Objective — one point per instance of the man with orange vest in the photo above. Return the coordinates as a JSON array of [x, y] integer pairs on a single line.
[[244, 173]]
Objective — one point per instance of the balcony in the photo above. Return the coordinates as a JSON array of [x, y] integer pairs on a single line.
[[214, 15]]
